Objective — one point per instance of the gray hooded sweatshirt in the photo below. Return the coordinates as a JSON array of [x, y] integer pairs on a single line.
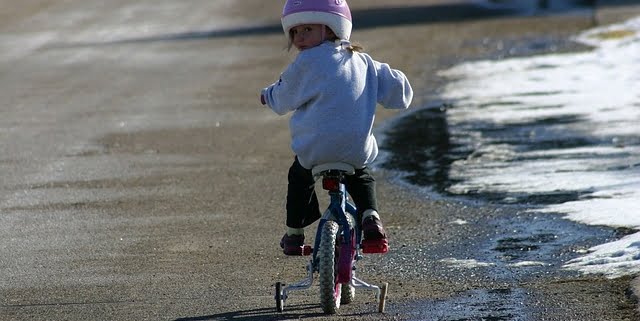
[[333, 94]]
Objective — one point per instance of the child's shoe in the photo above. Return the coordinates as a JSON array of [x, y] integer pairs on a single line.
[[294, 245], [374, 237]]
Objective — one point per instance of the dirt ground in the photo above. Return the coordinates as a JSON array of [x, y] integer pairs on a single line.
[[142, 179]]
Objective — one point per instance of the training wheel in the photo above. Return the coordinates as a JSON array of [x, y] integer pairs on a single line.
[[383, 297], [279, 298]]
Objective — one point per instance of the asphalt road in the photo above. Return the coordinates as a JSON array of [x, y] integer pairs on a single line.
[[142, 180]]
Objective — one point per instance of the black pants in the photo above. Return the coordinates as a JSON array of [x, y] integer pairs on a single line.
[[302, 202]]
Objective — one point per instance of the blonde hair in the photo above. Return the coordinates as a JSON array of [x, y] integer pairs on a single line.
[[355, 47]]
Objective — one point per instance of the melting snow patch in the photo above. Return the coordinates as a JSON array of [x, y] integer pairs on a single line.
[[459, 222], [613, 259], [527, 263], [564, 133], [468, 264]]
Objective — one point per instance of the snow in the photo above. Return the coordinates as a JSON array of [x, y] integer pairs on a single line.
[[601, 89]]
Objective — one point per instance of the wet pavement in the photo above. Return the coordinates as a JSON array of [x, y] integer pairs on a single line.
[[505, 257]]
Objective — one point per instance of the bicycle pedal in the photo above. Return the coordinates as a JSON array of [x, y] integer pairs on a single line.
[[307, 250], [375, 246]]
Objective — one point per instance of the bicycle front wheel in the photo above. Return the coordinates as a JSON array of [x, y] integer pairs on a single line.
[[330, 291]]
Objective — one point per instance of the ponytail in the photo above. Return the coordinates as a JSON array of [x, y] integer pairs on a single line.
[[354, 47]]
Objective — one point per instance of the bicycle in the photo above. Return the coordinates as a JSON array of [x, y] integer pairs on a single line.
[[338, 247]]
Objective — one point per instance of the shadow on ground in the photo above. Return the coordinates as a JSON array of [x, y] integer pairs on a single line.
[[364, 19], [292, 312]]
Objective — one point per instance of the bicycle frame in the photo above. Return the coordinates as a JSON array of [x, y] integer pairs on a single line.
[[344, 213]]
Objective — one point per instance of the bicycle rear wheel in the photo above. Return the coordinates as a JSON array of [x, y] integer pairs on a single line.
[[330, 291], [348, 294], [279, 298]]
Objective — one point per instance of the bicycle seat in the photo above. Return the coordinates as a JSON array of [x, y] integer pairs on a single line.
[[343, 167]]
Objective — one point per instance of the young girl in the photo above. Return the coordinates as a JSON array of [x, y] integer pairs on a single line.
[[332, 89]]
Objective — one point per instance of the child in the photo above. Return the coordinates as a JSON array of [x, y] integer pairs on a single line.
[[332, 89]]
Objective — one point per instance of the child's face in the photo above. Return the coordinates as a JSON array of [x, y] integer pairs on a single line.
[[307, 36]]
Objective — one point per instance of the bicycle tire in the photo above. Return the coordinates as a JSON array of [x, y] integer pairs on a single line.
[[347, 294], [330, 291], [279, 298], [383, 297]]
